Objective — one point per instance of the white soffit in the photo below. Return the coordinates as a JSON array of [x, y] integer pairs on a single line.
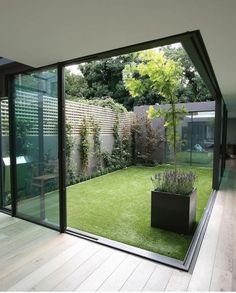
[[42, 32]]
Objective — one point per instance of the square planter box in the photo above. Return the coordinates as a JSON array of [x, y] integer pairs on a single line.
[[173, 212]]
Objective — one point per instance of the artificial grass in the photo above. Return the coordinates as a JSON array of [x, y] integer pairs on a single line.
[[117, 206], [198, 158]]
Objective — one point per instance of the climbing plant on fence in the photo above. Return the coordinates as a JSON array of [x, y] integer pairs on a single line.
[[69, 143], [120, 155], [96, 128], [84, 145]]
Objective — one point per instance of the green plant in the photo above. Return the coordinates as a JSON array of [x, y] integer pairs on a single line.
[[96, 128], [69, 143], [23, 146], [174, 181], [125, 144], [164, 77], [128, 192], [84, 145], [144, 140], [120, 155]]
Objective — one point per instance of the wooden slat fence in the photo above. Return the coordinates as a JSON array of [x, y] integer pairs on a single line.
[[27, 107]]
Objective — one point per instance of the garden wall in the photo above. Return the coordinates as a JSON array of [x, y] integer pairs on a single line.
[[27, 110], [105, 117], [160, 153]]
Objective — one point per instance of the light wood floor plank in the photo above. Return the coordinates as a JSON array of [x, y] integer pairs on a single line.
[[34, 258], [7, 221], [202, 273], [23, 249], [121, 274], [20, 267], [32, 279], [159, 279], [223, 259], [139, 277], [94, 281], [19, 235], [55, 278], [179, 281], [234, 276], [84, 271], [221, 280]]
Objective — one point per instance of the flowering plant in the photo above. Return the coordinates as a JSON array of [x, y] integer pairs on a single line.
[[174, 181]]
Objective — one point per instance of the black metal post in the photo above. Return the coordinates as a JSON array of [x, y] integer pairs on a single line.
[[224, 138], [217, 144], [191, 141], [61, 148], [1, 165], [12, 143]]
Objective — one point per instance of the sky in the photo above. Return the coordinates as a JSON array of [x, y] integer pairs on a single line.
[[74, 69]]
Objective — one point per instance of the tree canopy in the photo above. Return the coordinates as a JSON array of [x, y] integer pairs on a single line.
[[191, 87], [105, 78], [162, 75]]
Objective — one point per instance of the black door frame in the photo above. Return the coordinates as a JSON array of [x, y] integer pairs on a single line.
[[194, 46], [2, 207]]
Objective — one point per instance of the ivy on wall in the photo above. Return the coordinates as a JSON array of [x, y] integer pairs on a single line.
[[96, 129], [84, 145]]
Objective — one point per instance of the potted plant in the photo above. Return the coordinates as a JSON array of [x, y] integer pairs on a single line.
[[173, 201]]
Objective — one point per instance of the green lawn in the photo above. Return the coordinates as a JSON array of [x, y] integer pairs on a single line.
[[117, 206], [198, 158]]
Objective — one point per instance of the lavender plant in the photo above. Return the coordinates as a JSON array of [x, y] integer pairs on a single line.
[[174, 181]]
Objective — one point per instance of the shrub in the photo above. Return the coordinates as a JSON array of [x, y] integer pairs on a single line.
[[144, 140], [174, 181]]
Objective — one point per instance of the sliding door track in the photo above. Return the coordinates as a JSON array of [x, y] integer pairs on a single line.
[[190, 259]]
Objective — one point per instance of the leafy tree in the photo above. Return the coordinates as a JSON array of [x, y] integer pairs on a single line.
[[75, 86], [191, 88], [104, 78], [163, 76]]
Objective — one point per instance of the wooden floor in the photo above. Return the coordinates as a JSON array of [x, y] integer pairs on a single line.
[[33, 258]]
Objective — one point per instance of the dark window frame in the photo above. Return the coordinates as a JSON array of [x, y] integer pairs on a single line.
[[193, 44]]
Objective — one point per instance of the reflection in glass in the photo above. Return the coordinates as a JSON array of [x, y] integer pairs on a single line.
[[5, 155], [203, 138], [196, 132], [36, 112]]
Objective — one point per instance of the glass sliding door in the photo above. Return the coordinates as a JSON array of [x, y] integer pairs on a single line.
[[5, 192], [203, 138], [36, 146]]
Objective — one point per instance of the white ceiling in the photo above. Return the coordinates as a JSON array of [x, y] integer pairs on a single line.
[[42, 32]]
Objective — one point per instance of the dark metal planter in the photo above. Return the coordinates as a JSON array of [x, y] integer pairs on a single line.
[[173, 212]]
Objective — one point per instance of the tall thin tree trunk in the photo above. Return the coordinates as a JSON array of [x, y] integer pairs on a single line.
[[174, 133]]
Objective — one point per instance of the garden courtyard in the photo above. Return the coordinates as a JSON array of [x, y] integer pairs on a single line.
[[117, 206]]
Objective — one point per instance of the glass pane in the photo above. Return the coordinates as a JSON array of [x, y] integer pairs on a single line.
[[184, 132], [36, 111], [203, 138], [5, 155]]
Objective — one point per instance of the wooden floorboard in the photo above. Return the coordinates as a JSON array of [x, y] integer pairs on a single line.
[[140, 276], [179, 281], [118, 278], [202, 275], [34, 258]]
